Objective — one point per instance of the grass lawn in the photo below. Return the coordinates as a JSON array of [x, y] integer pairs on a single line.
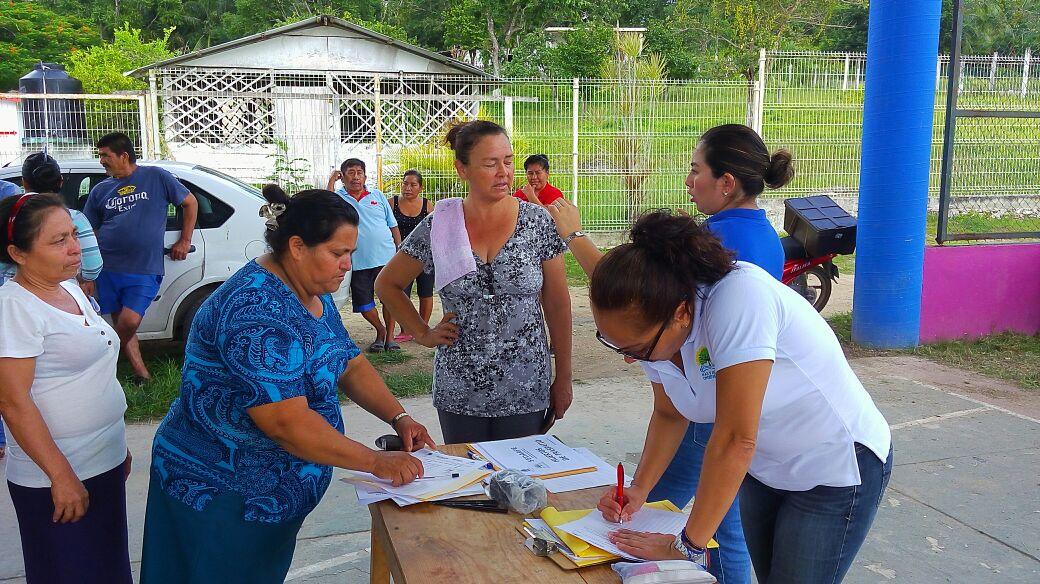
[[575, 275], [151, 400], [1007, 356], [402, 381]]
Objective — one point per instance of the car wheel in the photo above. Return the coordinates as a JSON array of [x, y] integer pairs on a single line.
[[189, 310]]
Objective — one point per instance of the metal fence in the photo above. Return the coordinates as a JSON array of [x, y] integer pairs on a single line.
[[616, 146], [812, 104], [68, 125]]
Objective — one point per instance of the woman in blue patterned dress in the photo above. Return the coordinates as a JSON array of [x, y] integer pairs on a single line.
[[247, 450]]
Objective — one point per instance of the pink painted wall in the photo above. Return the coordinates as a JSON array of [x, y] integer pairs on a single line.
[[976, 290]]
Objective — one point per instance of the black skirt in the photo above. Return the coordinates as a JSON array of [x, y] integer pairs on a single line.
[[91, 550]]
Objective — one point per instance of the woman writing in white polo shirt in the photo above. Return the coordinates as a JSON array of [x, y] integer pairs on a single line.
[[721, 341]]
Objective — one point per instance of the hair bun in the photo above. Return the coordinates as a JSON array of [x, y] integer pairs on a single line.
[[781, 169], [454, 132], [462, 137], [274, 194], [43, 171], [664, 233]]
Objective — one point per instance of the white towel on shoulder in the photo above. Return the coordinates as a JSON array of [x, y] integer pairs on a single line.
[[449, 243]]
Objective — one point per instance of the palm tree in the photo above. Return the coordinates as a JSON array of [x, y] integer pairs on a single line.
[[639, 85]]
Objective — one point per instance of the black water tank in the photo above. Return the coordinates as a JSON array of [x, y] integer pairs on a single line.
[[63, 119]]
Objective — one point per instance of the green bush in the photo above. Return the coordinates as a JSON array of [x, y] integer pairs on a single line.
[[101, 67]]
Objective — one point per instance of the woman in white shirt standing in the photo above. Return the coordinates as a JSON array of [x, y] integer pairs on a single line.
[[63, 407], [721, 341]]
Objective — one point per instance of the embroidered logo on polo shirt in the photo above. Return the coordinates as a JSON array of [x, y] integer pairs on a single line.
[[704, 364]]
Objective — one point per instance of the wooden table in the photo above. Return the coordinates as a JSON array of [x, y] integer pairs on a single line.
[[440, 545]]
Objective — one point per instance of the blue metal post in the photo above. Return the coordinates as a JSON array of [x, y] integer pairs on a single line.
[[899, 102]]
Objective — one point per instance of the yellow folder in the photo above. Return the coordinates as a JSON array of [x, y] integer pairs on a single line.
[[554, 518]]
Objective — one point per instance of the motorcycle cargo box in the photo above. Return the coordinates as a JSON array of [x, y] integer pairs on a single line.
[[820, 225]]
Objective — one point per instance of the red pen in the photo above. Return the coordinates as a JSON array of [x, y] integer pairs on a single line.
[[620, 489]]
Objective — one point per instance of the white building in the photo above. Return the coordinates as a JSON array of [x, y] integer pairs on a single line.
[[324, 88]]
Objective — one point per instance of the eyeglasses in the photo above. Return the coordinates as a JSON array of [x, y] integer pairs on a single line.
[[645, 356]]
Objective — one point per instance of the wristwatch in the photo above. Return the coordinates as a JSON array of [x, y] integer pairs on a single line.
[[567, 240], [690, 551]]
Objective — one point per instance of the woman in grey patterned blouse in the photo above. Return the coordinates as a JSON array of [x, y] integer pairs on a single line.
[[493, 375]]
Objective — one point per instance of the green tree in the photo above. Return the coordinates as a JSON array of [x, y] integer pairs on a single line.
[[30, 33], [638, 91], [641, 13], [505, 23], [253, 16], [106, 15], [727, 34], [196, 24], [101, 67], [463, 29], [1002, 26], [531, 57], [847, 30], [581, 51]]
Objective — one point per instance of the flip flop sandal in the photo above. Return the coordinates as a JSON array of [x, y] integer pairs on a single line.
[[377, 347], [392, 347]]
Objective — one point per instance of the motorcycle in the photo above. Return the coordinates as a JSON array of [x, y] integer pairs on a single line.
[[830, 231], [813, 278]]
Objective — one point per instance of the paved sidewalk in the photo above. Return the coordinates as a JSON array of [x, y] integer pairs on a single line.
[[963, 504]]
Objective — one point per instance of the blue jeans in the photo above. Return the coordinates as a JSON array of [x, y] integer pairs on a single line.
[[811, 537], [730, 564]]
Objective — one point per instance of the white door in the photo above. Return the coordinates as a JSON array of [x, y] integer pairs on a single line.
[[310, 128]]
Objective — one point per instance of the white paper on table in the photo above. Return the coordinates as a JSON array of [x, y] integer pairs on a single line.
[[544, 527], [603, 476], [533, 455], [594, 530], [368, 494], [437, 466]]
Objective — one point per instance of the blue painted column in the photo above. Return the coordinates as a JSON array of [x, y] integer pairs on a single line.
[[898, 108]]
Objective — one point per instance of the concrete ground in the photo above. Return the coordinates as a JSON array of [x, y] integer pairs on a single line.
[[963, 504]]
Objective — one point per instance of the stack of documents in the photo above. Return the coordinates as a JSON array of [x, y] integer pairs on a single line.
[[592, 546], [604, 476], [541, 456], [594, 530], [445, 477]]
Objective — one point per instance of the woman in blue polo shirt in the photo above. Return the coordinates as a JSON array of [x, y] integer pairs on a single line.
[[729, 170]]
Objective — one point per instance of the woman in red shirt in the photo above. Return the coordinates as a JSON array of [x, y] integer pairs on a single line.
[[538, 190]]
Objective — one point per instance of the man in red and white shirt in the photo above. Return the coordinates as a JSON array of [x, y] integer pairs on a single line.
[[538, 190]]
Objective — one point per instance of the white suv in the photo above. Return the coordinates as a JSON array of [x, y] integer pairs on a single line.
[[229, 233]]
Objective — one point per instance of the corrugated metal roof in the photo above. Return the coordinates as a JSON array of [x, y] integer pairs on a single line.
[[316, 21]]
